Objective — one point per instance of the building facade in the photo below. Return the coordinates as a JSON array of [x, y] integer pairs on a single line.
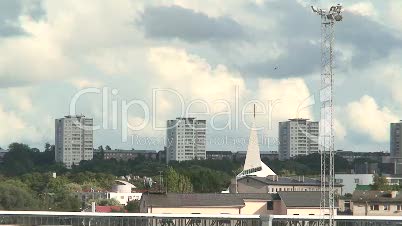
[[283, 203], [185, 139], [73, 140], [396, 140], [350, 181], [297, 137], [129, 154], [274, 184], [377, 203]]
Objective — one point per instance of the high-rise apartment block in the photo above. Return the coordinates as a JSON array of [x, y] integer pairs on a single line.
[[298, 137], [185, 139], [74, 140], [396, 140]]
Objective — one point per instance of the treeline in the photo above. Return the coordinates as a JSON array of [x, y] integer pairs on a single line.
[[26, 174]]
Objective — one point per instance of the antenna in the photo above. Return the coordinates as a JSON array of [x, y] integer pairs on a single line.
[[326, 137], [254, 111]]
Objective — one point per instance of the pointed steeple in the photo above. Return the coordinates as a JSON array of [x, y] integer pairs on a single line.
[[253, 164]]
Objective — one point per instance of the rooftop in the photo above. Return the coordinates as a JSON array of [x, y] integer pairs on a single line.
[[286, 180], [130, 151], [377, 196], [201, 199], [301, 198]]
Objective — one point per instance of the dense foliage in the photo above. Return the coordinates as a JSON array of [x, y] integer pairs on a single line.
[[27, 182]]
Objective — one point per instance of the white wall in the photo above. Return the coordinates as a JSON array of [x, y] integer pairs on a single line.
[[350, 181], [123, 198]]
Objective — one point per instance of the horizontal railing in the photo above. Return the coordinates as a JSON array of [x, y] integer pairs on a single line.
[[142, 219]]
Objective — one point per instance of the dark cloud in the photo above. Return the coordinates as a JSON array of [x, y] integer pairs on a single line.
[[10, 10], [177, 22], [298, 26]]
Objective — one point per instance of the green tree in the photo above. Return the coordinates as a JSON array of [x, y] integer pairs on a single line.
[[133, 206], [16, 196], [380, 183], [177, 182]]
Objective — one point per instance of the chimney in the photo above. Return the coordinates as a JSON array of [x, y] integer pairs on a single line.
[[93, 209]]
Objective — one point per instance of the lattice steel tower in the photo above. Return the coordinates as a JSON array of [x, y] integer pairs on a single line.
[[326, 137]]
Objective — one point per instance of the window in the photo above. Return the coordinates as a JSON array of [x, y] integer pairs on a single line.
[[375, 207], [270, 205], [386, 207], [357, 181], [398, 207]]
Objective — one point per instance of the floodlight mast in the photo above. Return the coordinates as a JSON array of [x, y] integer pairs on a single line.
[[326, 137]]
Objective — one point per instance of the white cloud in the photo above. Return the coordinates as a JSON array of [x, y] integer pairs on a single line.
[[290, 96], [362, 9], [394, 15], [366, 117], [15, 129], [85, 83], [192, 76], [392, 78], [340, 130]]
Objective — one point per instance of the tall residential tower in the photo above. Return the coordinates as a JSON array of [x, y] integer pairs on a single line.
[[396, 140], [74, 140], [185, 139], [297, 137]]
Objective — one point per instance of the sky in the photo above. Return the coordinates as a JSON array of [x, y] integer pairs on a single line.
[[144, 62]]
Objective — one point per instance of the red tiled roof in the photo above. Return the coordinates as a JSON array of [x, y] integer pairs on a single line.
[[107, 209]]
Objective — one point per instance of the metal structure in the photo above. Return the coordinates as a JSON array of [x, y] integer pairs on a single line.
[[31, 218], [326, 137]]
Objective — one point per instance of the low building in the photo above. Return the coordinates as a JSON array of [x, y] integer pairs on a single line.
[[219, 155], [350, 181], [274, 184], [2, 154], [301, 203], [351, 156], [283, 203], [122, 192], [161, 156], [129, 154], [271, 155], [377, 203]]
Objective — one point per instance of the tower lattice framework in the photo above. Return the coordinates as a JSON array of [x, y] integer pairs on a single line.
[[326, 137]]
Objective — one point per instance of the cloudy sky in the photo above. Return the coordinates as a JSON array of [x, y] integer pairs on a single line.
[[213, 56]]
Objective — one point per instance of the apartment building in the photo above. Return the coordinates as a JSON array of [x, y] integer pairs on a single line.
[[298, 137], [396, 140], [73, 140], [185, 139]]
